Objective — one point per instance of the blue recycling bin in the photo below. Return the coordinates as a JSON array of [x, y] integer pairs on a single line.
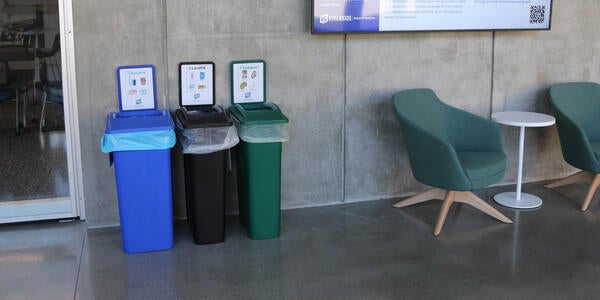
[[140, 145]]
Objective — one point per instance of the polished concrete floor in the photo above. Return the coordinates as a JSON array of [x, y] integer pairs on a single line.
[[34, 163], [354, 251]]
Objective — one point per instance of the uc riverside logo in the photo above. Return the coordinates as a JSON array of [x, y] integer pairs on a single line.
[[324, 19]]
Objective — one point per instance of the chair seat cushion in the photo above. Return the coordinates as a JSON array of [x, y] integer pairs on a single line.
[[482, 168]]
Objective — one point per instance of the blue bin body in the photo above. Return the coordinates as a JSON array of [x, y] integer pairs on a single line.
[[143, 180]]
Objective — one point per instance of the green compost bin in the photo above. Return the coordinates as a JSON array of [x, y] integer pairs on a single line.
[[262, 128]]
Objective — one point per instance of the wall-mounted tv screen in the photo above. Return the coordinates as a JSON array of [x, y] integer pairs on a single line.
[[340, 16]]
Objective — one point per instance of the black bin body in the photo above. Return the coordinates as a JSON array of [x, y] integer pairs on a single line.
[[205, 178]]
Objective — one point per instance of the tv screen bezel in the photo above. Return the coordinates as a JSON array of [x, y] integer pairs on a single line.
[[313, 32]]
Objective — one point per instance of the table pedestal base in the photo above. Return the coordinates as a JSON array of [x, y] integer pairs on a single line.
[[509, 199]]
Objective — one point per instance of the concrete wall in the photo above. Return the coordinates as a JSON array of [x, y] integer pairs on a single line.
[[304, 77], [457, 65], [109, 34], [525, 65], [345, 144]]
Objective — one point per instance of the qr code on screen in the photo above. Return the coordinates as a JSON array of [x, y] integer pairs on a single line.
[[536, 14]]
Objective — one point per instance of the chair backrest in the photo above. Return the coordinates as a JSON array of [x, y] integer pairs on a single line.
[[436, 133], [580, 102], [425, 124], [50, 72], [56, 43], [4, 71], [422, 107]]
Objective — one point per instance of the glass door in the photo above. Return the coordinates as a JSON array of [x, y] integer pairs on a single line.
[[36, 169]]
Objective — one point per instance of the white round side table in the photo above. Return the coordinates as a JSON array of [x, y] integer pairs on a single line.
[[521, 119]]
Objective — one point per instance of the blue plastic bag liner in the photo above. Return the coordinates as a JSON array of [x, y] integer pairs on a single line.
[[148, 130], [142, 140]]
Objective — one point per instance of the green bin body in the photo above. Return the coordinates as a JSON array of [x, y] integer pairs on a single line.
[[260, 188], [259, 168]]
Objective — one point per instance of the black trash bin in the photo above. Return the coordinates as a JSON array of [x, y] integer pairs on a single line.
[[205, 136]]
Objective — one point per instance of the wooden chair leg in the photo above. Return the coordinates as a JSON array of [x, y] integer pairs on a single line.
[[444, 212], [431, 194], [591, 192], [472, 199], [577, 177], [450, 197]]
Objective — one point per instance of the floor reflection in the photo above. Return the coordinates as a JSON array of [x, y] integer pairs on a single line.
[[34, 166], [366, 250], [32, 137]]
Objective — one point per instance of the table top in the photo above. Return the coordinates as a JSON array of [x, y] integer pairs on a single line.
[[523, 118]]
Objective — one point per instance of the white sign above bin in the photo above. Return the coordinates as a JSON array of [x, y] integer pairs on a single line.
[[196, 84], [248, 81], [137, 88]]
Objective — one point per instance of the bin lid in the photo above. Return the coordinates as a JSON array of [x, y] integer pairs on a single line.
[[135, 121], [202, 117], [264, 113]]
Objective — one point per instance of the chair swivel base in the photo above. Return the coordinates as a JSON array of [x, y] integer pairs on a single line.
[[585, 176], [449, 197]]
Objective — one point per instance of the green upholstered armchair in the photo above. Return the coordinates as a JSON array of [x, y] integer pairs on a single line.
[[451, 150], [576, 106]]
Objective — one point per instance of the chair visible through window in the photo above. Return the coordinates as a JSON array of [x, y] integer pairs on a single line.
[[10, 87], [51, 81]]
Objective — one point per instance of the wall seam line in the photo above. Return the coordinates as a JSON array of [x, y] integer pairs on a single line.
[[165, 53], [344, 85], [492, 73]]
